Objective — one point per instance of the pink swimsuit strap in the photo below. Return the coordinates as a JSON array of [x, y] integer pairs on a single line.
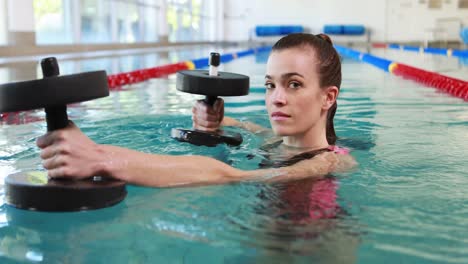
[[339, 150]]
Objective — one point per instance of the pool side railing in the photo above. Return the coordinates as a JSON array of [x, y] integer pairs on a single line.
[[450, 85]]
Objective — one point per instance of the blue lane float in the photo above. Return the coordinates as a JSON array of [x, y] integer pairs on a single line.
[[350, 30], [464, 35], [460, 53], [348, 52], [411, 48], [263, 49], [333, 29], [355, 30], [376, 61], [227, 58], [201, 63], [436, 51], [264, 31], [245, 53]]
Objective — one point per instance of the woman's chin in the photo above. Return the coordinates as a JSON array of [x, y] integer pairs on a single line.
[[281, 132]]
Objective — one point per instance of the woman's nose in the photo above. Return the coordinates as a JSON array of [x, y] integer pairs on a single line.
[[279, 96]]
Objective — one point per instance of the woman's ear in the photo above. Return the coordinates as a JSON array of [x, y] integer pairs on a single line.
[[331, 93]]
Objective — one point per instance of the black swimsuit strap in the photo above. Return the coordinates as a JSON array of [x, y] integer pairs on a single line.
[[293, 160]]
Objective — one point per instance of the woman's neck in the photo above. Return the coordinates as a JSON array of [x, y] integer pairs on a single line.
[[314, 138]]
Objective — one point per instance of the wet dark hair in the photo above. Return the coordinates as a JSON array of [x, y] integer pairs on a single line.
[[329, 66]]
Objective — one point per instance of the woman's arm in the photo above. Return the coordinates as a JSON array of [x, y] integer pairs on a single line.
[[211, 118], [69, 153], [171, 171], [249, 126]]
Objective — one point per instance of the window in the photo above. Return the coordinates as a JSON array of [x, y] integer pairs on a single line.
[[208, 19], [121, 21], [128, 27], [53, 21], [149, 20], [95, 21], [190, 20]]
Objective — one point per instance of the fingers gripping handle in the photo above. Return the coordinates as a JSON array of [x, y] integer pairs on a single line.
[[56, 116]]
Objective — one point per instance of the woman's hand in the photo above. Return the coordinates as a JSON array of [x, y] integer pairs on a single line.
[[319, 165], [326, 163], [345, 163], [69, 153], [208, 118]]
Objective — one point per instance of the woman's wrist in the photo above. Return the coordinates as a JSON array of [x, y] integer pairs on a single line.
[[229, 121], [109, 164]]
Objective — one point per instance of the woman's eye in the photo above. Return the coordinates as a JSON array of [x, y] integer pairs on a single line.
[[294, 85], [269, 86]]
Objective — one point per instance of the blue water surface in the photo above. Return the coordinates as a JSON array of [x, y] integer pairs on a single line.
[[405, 203]]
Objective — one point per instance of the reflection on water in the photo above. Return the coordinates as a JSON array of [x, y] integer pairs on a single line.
[[160, 224]]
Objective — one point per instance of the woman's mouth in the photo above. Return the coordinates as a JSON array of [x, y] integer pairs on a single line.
[[279, 116]]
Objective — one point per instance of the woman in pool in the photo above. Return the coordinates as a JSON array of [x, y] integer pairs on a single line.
[[303, 79]]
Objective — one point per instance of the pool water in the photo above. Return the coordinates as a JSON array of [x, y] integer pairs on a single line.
[[405, 203]]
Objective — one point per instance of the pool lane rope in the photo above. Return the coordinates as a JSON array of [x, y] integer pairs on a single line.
[[437, 51], [116, 81], [452, 86]]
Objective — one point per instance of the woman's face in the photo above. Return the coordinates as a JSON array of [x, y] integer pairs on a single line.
[[294, 99]]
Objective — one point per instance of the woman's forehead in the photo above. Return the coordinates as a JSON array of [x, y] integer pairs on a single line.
[[301, 60]]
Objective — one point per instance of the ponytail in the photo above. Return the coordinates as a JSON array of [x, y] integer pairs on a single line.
[[330, 128], [324, 37]]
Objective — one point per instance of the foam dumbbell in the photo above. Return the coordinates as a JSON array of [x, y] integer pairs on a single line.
[[34, 190], [212, 84]]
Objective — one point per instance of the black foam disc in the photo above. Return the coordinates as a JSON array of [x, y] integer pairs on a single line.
[[34, 191], [200, 82], [202, 138], [53, 91]]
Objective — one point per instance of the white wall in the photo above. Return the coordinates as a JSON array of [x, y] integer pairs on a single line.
[[411, 20], [242, 15], [20, 15], [388, 20], [3, 23]]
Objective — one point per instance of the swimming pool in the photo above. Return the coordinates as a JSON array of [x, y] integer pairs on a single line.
[[407, 201]]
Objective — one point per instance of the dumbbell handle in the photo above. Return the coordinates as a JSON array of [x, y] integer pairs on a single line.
[[210, 100], [56, 116], [214, 61]]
